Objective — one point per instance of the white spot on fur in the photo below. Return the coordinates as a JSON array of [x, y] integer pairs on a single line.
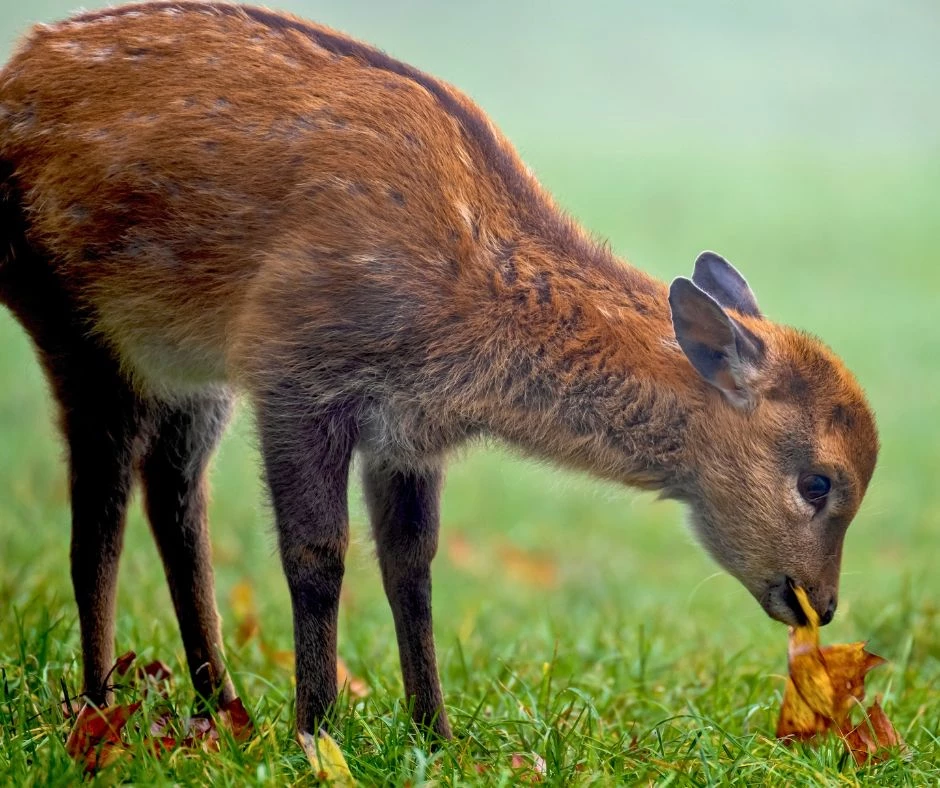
[[72, 48], [100, 54], [465, 213]]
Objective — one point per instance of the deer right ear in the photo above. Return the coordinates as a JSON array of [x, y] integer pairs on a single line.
[[723, 282], [721, 350]]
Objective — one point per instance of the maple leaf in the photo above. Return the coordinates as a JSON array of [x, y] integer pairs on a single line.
[[872, 735], [825, 685], [95, 739]]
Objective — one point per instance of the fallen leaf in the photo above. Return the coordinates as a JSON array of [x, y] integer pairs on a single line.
[[528, 568], [282, 657], [825, 685], [123, 663], [71, 707], [203, 732], [462, 553], [798, 720], [868, 740], [157, 676], [95, 738], [156, 671], [248, 627], [847, 664], [528, 768], [242, 601], [326, 758], [355, 686], [236, 719]]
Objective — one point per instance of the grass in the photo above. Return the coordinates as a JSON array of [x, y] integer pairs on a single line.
[[612, 648], [614, 651]]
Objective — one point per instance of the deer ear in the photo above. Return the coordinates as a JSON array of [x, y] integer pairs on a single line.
[[722, 281], [721, 350]]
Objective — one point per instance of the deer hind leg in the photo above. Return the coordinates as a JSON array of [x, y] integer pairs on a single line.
[[306, 457], [405, 511], [101, 421], [173, 472]]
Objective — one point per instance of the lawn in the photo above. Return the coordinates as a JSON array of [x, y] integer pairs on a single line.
[[575, 621]]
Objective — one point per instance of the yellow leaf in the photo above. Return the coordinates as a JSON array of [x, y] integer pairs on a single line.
[[824, 687], [327, 758]]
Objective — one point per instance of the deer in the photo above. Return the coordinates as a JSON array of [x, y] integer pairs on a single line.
[[202, 200]]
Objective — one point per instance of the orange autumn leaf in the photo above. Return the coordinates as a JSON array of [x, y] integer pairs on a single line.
[[867, 740], [242, 601], [529, 568], [847, 665], [356, 687], [462, 553], [95, 739], [248, 627], [797, 719], [825, 685]]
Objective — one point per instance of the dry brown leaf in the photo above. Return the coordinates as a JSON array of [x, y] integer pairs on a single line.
[[203, 731], [824, 687], [868, 740], [123, 663], [95, 739]]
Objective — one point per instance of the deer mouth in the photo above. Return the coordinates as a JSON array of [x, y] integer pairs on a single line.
[[780, 603]]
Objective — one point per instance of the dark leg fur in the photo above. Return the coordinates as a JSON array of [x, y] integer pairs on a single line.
[[307, 458], [404, 507], [101, 420], [173, 473], [109, 431], [100, 424], [100, 417]]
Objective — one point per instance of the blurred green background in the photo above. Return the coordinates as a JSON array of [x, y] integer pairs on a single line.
[[801, 140]]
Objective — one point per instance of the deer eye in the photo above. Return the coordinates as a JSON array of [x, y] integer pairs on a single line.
[[814, 489]]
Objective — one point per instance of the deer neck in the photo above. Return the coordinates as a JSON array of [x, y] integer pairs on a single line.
[[583, 366]]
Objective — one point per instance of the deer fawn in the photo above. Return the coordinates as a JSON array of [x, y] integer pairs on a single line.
[[203, 197]]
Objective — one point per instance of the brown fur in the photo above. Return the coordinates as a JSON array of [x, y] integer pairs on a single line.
[[200, 195]]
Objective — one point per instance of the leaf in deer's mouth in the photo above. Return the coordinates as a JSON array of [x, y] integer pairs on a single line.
[[825, 685]]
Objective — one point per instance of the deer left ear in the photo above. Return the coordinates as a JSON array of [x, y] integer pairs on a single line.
[[722, 281], [720, 349]]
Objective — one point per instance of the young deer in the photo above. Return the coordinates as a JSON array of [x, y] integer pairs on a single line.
[[202, 197]]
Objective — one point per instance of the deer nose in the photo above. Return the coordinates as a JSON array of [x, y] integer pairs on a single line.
[[830, 611]]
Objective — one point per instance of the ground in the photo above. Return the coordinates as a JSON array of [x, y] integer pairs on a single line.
[[575, 621]]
